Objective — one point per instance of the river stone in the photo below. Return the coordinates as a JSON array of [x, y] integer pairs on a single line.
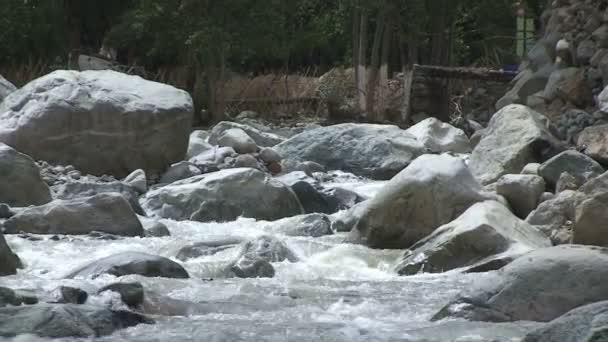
[[440, 137], [132, 294], [575, 163], [487, 233], [238, 140], [516, 136], [541, 286], [216, 156], [374, 151], [198, 144], [207, 248], [590, 224], [530, 169], [347, 220], [108, 213], [593, 141], [156, 229], [10, 261], [432, 191], [310, 225], [260, 138], [269, 155], [65, 320], [256, 256], [6, 88], [15, 298], [555, 217], [131, 263], [138, 181], [223, 196], [81, 189], [179, 171], [102, 122], [587, 323], [69, 295], [523, 192], [20, 180], [312, 200]]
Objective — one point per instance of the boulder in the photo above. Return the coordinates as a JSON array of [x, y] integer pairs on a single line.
[[555, 217], [593, 141], [15, 298], [206, 248], [10, 261], [432, 191], [486, 234], [156, 229], [440, 137], [347, 220], [107, 213], [6, 88], [98, 121], [269, 155], [224, 196], [565, 182], [591, 221], [65, 321], [131, 263], [312, 200], [374, 151], [132, 294], [541, 286], [515, 137], [530, 169], [523, 192], [138, 181], [238, 140], [576, 164], [69, 295], [246, 160], [214, 156], [20, 180], [256, 256], [198, 144], [311, 225], [527, 83], [588, 323], [179, 171], [260, 138], [82, 189]]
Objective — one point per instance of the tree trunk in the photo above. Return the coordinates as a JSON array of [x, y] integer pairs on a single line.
[[73, 12], [362, 61], [383, 90], [356, 32], [374, 67]]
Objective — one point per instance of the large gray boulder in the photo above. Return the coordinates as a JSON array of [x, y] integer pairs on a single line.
[[10, 261], [540, 286], [433, 190], [20, 180], [523, 192], [224, 196], [555, 217], [588, 323], [516, 136], [65, 321], [131, 263], [581, 167], [486, 235], [260, 137], [375, 151], [107, 212], [440, 137], [99, 121], [83, 188], [6, 88]]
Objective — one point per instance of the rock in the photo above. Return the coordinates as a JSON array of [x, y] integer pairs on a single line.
[[565, 182], [567, 277], [179, 171], [311, 225], [223, 196], [108, 213], [10, 261], [584, 324], [527, 83], [216, 155], [15, 298], [246, 160], [432, 191], [531, 169], [65, 321], [311, 199], [269, 155], [6, 88], [20, 184], [238, 140], [294, 177], [515, 137], [593, 141], [99, 121], [156, 229], [523, 192], [374, 151], [137, 180], [590, 226], [69, 295], [206, 248], [487, 233], [347, 220], [440, 137], [131, 263], [256, 256], [198, 144], [260, 138], [82, 189], [5, 211], [341, 199], [132, 294], [555, 217], [576, 164]]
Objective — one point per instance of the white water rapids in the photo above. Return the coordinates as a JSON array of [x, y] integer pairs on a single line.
[[336, 292]]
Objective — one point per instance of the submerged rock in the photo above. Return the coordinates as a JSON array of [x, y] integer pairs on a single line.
[[69, 295], [311, 225], [15, 298], [256, 256], [131, 263], [132, 294], [205, 248]]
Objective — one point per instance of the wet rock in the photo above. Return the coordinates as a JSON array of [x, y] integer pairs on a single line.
[[206, 248], [65, 320], [83, 189], [137, 180], [69, 295], [179, 171], [440, 137], [15, 298], [223, 196], [556, 216], [10, 261], [260, 138], [156, 229], [108, 212], [347, 220], [515, 137], [21, 183], [256, 256], [375, 151], [311, 225], [576, 164], [132, 294], [567, 276], [238, 140], [131, 263], [99, 121], [432, 191], [312, 200], [487, 232], [523, 192]]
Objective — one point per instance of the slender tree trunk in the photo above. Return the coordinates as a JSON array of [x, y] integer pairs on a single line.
[[355, 34], [362, 61], [73, 12], [383, 90], [374, 67]]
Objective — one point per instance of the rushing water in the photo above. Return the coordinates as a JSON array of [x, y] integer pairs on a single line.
[[336, 292]]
